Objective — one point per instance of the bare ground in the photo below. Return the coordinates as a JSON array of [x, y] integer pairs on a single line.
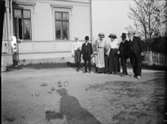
[[90, 99]]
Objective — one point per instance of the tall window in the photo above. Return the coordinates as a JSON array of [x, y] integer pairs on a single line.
[[22, 24], [62, 25]]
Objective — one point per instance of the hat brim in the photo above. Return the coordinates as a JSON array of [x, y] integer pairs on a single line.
[[112, 36], [123, 35], [101, 36]]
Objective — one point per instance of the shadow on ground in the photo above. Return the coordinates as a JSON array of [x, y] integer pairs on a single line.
[[69, 64], [74, 112], [39, 66]]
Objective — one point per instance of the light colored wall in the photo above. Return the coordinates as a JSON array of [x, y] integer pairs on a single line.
[[42, 22], [44, 49], [80, 22], [44, 19], [43, 44]]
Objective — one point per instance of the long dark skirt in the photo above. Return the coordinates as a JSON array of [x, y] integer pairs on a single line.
[[100, 70], [106, 57], [114, 64]]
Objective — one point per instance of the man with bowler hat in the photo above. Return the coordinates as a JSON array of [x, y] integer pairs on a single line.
[[136, 49], [125, 53], [87, 52]]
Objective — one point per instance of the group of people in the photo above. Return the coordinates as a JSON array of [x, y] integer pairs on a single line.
[[110, 55]]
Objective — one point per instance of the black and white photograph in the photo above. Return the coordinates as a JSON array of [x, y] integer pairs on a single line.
[[83, 61]]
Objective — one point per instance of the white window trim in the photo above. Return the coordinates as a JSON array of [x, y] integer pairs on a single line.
[[60, 8], [29, 6]]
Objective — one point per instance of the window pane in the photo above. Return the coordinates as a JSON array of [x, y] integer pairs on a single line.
[[65, 16], [17, 13], [20, 28], [16, 29], [58, 29], [58, 15], [26, 14], [65, 31], [27, 29], [22, 23]]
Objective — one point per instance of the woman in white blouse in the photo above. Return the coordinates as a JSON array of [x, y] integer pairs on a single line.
[[114, 65]]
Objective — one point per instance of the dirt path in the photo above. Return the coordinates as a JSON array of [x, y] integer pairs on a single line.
[[28, 93]]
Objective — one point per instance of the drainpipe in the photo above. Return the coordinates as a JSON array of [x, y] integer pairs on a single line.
[[9, 33], [91, 26], [11, 15], [7, 19]]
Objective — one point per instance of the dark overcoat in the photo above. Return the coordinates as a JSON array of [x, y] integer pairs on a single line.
[[136, 46], [124, 49], [87, 51]]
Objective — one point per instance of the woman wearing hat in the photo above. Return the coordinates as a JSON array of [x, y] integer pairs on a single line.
[[99, 58], [114, 66]]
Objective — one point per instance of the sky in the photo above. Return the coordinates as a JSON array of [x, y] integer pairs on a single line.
[[110, 16]]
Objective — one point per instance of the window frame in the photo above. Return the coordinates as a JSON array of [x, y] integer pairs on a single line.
[[22, 9], [57, 8], [61, 20]]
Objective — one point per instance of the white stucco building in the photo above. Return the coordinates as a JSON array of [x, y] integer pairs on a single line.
[[45, 28]]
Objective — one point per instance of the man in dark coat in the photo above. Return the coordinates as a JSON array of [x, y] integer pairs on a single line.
[[87, 52], [124, 49], [136, 49]]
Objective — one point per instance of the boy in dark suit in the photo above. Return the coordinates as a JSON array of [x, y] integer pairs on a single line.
[[87, 52]]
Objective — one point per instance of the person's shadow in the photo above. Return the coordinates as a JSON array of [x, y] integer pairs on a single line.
[[71, 108]]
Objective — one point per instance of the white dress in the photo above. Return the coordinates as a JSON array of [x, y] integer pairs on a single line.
[[99, 58]]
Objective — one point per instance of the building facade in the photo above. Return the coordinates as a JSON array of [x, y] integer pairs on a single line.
[[45, 29]]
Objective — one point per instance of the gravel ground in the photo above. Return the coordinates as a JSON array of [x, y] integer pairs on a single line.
[[72, 97]]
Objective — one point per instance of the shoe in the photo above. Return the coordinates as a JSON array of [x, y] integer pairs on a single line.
[[85, 71], [138, 77], [90, 72], [123, 75]]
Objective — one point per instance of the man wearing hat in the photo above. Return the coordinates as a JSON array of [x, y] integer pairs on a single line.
[[87, 52], [125, 53], [136, 49]]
